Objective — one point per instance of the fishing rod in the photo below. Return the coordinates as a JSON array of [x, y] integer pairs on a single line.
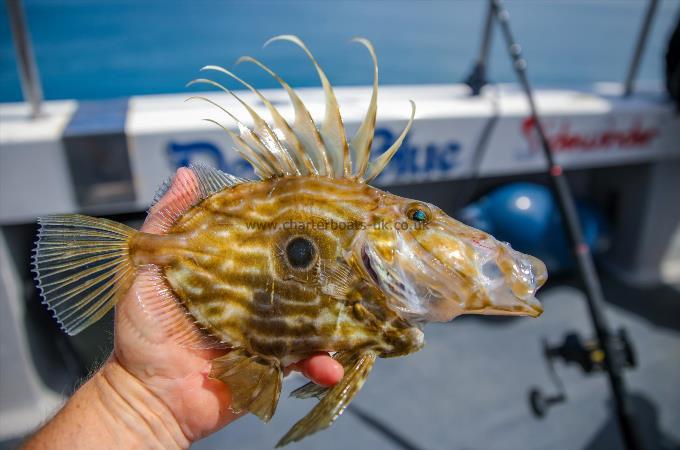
[[629, 84], [477, 78], [609, 352]]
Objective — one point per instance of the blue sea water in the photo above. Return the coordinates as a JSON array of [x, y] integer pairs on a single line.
[[111, 48]]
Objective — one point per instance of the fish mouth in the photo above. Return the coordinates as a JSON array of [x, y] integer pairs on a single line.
[[522, 309], [535, 311], [432, 299]]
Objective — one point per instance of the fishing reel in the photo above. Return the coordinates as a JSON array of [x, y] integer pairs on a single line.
[[588, 354]]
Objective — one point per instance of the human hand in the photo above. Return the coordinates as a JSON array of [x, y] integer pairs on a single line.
[[152, 392], [146, 361]]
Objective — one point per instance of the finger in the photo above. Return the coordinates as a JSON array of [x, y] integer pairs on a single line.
[[177, 199], [139, 321], [321, 369]]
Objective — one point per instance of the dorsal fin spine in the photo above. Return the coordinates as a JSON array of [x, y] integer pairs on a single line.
[[360, 145], [261, 165], [264, 132], [304, 128], [332, 128], [376, 166], [302, 162], [303, 149], [248, 135]]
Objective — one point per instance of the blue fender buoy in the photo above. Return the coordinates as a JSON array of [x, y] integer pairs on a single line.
[[526, 216]]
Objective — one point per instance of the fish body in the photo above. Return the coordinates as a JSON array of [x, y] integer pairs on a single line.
[[227, 261], [308, 258]]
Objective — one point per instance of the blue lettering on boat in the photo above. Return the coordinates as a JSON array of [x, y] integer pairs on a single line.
[[184, 154], [415, 161]]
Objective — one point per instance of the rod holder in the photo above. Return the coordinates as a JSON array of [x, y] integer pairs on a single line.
[[629, 84], [28, 69]]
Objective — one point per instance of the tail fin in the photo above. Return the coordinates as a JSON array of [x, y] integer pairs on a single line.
[[82, 266]]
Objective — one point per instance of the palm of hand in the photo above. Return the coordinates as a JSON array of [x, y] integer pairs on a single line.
[[178, 376]]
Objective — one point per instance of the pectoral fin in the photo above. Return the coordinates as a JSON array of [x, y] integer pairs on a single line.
[[335, 401], [312, 389], [255, 382]]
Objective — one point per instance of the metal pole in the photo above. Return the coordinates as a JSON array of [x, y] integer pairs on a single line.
[[639, 48], [28, 70], [584, 259], [477, 78]]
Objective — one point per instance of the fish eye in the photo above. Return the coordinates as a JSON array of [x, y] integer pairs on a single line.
[[419, 213], [301, 252]]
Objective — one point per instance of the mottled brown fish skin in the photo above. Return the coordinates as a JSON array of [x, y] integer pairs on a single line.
[[226, 261]]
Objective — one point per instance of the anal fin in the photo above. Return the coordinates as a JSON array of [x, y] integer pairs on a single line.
[[254, 382], [335, 401]]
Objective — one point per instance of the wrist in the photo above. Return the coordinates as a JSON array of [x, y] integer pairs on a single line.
[[135, 416]]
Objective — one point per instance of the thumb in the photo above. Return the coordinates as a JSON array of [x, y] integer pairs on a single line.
[[181, 195]]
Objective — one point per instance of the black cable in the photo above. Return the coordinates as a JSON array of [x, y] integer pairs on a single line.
[[465, 194], [382, 428], [584, 259]]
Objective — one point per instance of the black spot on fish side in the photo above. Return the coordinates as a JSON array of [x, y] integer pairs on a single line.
[[301, 252]]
